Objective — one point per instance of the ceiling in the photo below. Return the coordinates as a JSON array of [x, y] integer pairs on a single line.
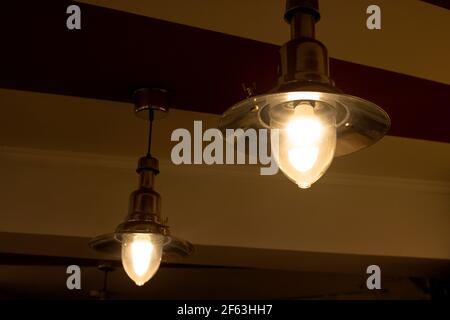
[[67, 168], [410, 42], [121, 51], [70, 173]]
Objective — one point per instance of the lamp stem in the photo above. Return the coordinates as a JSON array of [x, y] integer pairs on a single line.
[[146, 179], [150, 128], [303, 26]]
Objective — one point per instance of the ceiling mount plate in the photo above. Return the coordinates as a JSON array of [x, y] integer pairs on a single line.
[[150, 99]]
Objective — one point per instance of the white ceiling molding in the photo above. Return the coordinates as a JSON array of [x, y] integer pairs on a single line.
[[129, 163]]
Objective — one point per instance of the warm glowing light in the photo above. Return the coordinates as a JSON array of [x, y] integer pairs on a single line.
[[306, 144], [141, 255], [304, 131], [303, 95], [303, 159]]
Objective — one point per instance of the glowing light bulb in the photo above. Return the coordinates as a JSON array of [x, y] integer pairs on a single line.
[[306, 143], [141, 255]]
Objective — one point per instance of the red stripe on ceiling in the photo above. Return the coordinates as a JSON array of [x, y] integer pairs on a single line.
[[116, 52]]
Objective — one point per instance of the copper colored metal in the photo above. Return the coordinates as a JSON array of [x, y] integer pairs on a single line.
[[144, 213], [304, 74]]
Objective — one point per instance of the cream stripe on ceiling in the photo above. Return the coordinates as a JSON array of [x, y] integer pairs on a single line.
[[412, 39], [51, 193]]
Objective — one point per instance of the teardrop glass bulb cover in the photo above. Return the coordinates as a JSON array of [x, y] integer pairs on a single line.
[[303, 138], [141, 255]]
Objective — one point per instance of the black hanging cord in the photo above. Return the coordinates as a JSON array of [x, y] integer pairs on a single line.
[[150, 128]]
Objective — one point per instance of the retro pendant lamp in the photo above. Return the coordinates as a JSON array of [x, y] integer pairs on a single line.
[[310, 120], [143, 237]]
